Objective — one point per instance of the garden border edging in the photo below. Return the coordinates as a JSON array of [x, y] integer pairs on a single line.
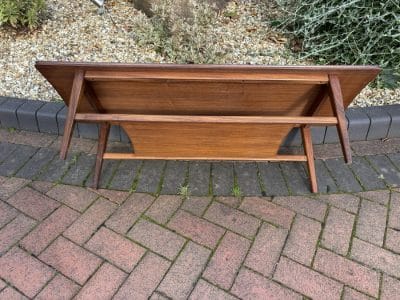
[[364, 124]]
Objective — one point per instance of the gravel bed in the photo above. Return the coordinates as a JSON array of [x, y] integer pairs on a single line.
[[76, 31]]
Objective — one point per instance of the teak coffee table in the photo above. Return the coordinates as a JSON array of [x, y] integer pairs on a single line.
[[207, 112]]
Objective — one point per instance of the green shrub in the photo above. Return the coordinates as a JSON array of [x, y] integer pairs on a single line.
[[21, 13], [184, 33], [345, 32]]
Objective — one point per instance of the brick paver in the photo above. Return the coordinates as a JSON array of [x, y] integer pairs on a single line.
[[14, 231], [129, 212], [76, 197], [49, 229], [24, 272], [180, 279], [249, 285], [103, 284], [381, 196], [232, 219], [81, 230], [115, 248], [33, 203], [348, 272], [350, 294], [59, 287], [338, 229], [163, 208], [7, 213], [196, 205], [145, 278], [390, 288], [268, 211], [10, 185], [10, 293], [393, 240], [62, 241], [303, 205], [157, 238], [302, 240], [376, 257], [205, 290], [195, 228], [371, 222], [347, 202], [226, 260], [266, 249], [394, 216], [71, 260], [306, 281]]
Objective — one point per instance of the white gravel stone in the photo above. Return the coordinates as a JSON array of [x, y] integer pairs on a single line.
[[76, 31]]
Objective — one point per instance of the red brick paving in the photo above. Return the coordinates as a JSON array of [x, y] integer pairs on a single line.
[[390, 288], [33, 203], [71, 242], [347, 271], [303, 205], [163, 208], [71, 260], [226, 261], [381, 197], [196, 205], [11, 185], [14, 231], [393, 240], [81, 230], [7, 213], [232, 219], [128, 213], [183, 274], [302, 240], [59, 287], [345, 202], [145, 278], [371, 222], [75, 197], [103, 284], [249, 285], [268, 211], [197, 229], [205, 290], [47, 231], [350, 294], [25, 272], [10, 293], [376, 257], [115, 248], [338, 229], [157, 238], [266, 249]]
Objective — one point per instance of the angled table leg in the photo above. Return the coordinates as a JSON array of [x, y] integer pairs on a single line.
[[309, 151], [338, 109], [101, 148], [76, 93]]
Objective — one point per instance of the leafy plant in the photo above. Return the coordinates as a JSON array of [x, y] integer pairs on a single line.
[[236, 191], [345, 32], [184, 33], [21, 13], [184, 191]]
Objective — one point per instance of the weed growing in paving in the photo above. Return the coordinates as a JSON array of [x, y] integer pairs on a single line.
[[184, 191], [236, 191]]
